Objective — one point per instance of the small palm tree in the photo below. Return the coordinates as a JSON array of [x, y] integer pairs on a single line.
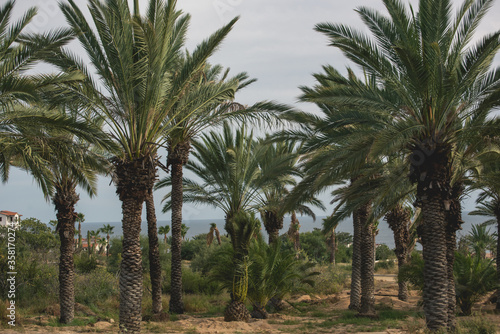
[[164, 230], [80, 218], [475, 277], [108, 230]]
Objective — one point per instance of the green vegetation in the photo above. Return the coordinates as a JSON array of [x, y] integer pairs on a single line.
[[416, 124]]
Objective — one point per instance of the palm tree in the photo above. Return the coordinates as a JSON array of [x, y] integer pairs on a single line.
[[24, 119], [184, 230], [69, 169], [154, 254], [108, 230], [488, 202], [137, 62], [330, 238], [231, 180], [164, 230], [399, 221], [212, 97], [437, 80], [92, 236], [293, 233], [275, 201], [210, 234]]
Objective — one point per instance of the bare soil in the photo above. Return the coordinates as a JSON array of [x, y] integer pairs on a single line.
[[326, 309]]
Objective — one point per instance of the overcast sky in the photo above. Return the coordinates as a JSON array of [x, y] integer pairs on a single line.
[[273, 41]]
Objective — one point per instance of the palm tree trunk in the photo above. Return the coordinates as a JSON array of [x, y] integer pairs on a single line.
[[498, 261], [176, 303], [177, 158], [134, 179], [79, 235], [107, 245], [273, 224], [367, 307], [355, 297], [332, 245], [294, 234], [454, 221], [154, 254], [435, 293], [399, 221], [64, 201]]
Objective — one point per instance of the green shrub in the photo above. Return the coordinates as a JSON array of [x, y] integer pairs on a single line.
[[477, 325], [413, 271], [193, 282], [474, 278], [383, 252], [196, 245], [84, 262], [343, 254], [384, 265], [314, 245], [95, 286], [331, 280]]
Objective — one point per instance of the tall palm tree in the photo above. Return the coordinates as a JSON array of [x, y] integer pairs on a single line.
[[70, 168], [438, 80], [136, 59], [108, 230], [213, 99]]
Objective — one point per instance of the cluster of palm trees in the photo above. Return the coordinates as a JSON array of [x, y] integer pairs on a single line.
[[417, 128]]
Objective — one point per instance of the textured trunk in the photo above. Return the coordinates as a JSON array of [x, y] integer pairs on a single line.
[[431, 171], [107, 245], [332, 247], [399, 221], [134, 179], [454, 222], [64, 201], [236, 310], [79, 235], [294, 234], [154, 254], [273, 224], [367, 307], [259, 312], [435, 294], [177, 157], [355, 297], [498, 261], [176, 303]]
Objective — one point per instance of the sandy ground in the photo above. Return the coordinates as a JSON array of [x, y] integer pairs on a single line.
[[386, 294]]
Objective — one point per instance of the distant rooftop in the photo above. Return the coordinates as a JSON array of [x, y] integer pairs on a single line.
[[8, 213]]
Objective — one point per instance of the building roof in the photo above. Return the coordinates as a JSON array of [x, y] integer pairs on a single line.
[[8, 213]]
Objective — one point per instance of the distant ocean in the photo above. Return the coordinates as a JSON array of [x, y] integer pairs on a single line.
[[196, 227]]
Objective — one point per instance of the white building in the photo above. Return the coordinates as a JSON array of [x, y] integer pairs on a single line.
[[7, 217]]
